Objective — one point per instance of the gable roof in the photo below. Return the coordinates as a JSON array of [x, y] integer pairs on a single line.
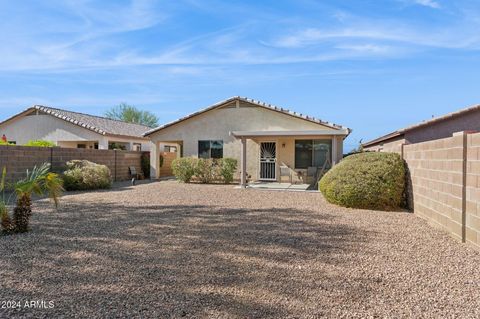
[[98, 124], [402, 131], [256, 103]]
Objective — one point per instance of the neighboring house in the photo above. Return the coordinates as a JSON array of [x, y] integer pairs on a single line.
[[73, 130], [261, 136], [436, 128]]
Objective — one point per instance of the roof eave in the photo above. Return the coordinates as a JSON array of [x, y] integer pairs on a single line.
[[249, 134], [382, 138]]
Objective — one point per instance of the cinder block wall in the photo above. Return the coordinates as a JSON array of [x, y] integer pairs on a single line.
[[17, 159], [445, 183], [436, 175], [472, 218]]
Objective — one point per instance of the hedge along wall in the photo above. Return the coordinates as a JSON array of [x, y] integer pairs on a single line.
[[17, 159], [444, 183]]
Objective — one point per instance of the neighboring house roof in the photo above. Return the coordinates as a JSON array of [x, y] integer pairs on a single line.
[[257, 103], [93, 123], [434, 120]]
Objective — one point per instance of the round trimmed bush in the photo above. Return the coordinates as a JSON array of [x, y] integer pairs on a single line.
[[368, 180]]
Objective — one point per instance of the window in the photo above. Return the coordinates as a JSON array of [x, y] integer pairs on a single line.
[[137, 147], [81, 145], [210, 149], [117, 146], [312, 153], [170, 149]]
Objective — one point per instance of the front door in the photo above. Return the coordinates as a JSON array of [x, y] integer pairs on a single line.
[[268, 161]]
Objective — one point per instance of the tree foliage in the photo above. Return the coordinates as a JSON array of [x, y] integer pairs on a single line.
[[131, 114]]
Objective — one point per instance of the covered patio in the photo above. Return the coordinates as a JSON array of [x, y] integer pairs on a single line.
[[292, 155]]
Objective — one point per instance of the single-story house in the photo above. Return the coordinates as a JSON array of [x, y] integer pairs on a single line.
[[73, 130], [467, 119], [260, 136]]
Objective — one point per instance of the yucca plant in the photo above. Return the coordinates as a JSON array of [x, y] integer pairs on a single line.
[[38, 181]]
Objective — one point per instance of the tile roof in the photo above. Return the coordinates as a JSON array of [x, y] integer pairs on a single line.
[[94, 123], [257, 103]]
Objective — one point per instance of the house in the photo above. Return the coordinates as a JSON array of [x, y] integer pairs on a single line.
[[436, 128], [260, 136], [73, 130]]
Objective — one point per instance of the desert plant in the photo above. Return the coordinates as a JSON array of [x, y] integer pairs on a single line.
[[184, 168], [37, 181], [40, 143], [5, 220], [228, 166], [86, 175], [368, 180], [205, 170], [145, 164]]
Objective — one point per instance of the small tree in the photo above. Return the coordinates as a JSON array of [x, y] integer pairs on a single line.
[[38, 181], [131, 114]]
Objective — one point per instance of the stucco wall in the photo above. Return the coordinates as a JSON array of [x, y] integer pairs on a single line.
[[469, 121], [45, 127], [64, 134], [217, 124], [390, 145]]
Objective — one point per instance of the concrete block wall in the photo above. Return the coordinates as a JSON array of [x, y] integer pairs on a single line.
[[472, 218], [17, 159], [444, 185], [437, 180]]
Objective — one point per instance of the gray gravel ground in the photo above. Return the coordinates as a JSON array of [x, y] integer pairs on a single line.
[[165, 249]]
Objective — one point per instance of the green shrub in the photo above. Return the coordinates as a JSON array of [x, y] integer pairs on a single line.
[[5, 143], [228, 166], [40, 143], [367, 180], [83, 175], [184, 168], [205, 170], [145, 164]]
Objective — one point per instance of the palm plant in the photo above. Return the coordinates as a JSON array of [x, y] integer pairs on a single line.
[[37, 181]]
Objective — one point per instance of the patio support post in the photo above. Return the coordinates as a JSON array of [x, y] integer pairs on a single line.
[[154, 160], [243, 163], [334, 150]]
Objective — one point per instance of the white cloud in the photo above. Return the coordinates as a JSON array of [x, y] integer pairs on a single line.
[[428, 3], [95, 40]]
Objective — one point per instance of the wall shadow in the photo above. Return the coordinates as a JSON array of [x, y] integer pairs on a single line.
[[175, 260]]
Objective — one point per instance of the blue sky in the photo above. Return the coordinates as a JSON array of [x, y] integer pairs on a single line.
[[372, 65]]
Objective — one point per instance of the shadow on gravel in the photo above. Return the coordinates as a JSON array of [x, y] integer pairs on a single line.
[[173, 261]]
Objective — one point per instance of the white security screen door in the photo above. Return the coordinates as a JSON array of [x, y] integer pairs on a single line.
[[268, 161]]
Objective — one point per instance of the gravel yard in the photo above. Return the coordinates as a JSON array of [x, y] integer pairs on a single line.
[[166, 249]]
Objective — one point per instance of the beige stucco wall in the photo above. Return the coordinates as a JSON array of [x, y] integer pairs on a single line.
[[64, 134], [218, 123]]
